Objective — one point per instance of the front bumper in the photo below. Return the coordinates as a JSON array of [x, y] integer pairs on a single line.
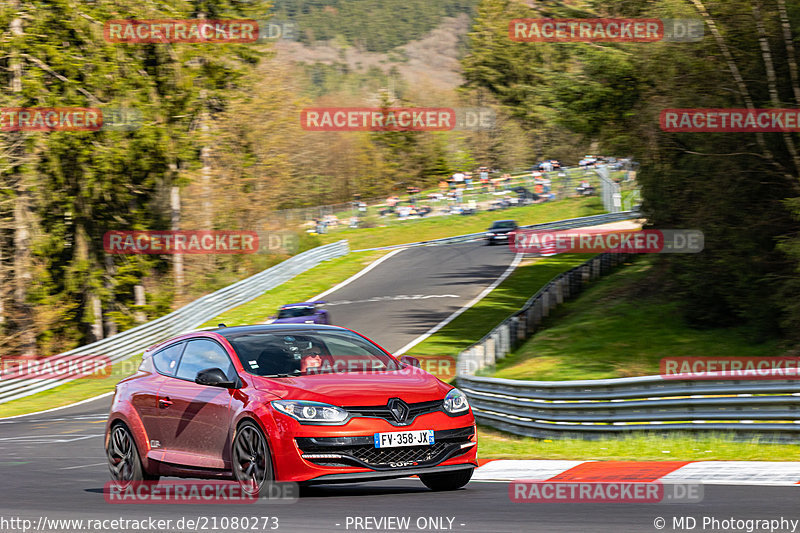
[[500, 237], [331, 454]]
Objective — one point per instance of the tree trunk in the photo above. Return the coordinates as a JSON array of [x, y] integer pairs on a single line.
[[22, 218], [175, 225], [139, 300]]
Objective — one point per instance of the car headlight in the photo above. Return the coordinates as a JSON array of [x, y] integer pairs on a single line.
[[490, 234], [311, 412], [456, 402]]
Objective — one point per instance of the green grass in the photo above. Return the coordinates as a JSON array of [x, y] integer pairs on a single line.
[[300, 288], [618, 328], [494, 444], [402, 232], [480, 319]]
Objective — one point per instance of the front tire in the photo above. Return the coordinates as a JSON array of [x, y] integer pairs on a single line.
[[447, 481], [252, 462]]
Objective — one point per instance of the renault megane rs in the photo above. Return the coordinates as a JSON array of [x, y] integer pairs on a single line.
[[287, 402]]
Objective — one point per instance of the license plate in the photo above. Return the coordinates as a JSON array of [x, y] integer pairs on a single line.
[[502, 236], [420, 437]]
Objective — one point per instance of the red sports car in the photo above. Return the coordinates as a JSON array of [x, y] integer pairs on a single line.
[[287, 402]]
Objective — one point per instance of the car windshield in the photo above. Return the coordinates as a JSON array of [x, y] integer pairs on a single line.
[[504, 224], [293, 312], [287, 353]]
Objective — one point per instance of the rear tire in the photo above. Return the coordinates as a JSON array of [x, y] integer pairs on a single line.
[[124, 462], [447, 481]]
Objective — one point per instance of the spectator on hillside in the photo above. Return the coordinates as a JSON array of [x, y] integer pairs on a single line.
[[458, 179]]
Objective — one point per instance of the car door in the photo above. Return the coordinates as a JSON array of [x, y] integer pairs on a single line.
[[196, 419], [162, 366]]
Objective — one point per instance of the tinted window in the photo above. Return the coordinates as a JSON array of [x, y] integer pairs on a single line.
[[504, 224], [294, 312], [308, 352], [166, 360], [201, 355]]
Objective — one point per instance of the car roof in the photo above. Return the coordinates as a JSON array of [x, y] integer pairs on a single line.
[[502, 221], [299, 304], [237, 331]]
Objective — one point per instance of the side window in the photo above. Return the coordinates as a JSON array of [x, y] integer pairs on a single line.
[[166, 360], [202, 354], [344, 347]]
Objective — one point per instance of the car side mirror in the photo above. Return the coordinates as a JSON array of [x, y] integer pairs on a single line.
[[412, 361], [214, 377]]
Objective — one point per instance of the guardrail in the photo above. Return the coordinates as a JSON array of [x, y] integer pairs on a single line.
[[127, 343], [612, 406], [563, 409]]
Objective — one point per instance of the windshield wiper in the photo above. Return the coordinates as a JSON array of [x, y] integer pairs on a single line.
[[294, 373]]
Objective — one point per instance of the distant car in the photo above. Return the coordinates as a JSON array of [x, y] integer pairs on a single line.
[[302, 313], [501, 231], [525, 195]]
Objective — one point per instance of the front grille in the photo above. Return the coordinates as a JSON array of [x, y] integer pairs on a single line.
[[361, 451], [382, 411], [385, 456]]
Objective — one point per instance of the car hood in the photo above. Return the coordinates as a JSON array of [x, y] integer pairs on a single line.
[[357, 388]]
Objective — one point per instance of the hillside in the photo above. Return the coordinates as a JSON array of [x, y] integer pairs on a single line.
[[432, 60]]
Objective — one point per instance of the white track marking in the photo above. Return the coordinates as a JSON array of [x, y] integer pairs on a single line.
[[514, 264], [82, 466], [357, 275], [87, 400]]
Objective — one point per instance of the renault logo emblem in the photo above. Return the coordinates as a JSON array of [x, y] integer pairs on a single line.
[[399, 410]]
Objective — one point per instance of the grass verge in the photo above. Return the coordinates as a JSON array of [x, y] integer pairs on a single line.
[[437, 353], [619, 328], [404, 231], [494, 444]]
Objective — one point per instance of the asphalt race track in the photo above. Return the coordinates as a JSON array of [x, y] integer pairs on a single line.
[[52, 465], [415, 289]]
